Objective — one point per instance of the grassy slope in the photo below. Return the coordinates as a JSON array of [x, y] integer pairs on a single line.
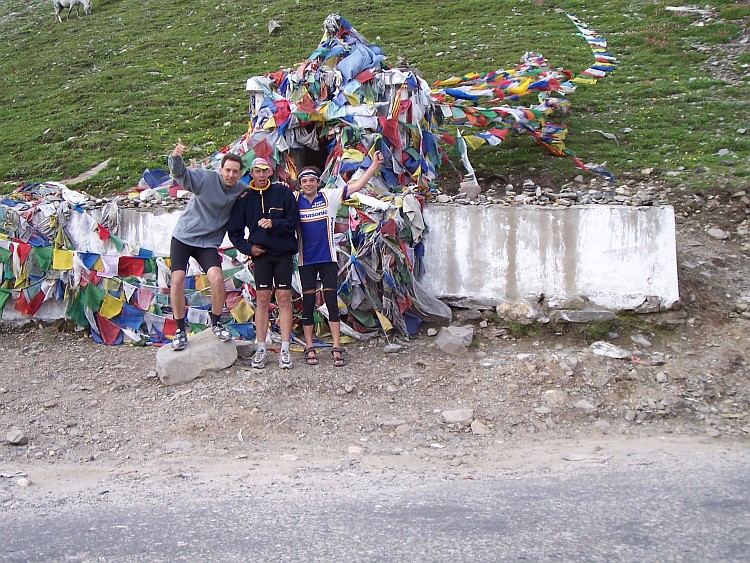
[[125, 82]]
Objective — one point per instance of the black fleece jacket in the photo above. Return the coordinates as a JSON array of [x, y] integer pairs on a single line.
[[274, 202]]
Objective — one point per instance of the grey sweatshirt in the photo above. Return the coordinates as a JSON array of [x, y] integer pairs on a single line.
[[204, 221]]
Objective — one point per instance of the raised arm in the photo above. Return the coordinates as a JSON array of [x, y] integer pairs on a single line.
[[361, 182]]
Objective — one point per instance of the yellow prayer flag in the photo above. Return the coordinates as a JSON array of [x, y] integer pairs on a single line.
[[384, 322], [521, 88], [62, 259], [353, 99], [111, 306], [242, 312], [201, 282], [353, 154], [474, 142]]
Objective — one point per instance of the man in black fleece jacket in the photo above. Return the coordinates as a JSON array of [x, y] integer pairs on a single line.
[[270, 214]]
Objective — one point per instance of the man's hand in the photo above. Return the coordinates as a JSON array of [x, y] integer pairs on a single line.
[[265, 223], [179, 149], [256, 250]]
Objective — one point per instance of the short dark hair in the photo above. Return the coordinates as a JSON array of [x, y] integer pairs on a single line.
[[233, 157]]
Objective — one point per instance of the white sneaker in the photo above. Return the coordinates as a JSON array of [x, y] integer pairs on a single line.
[[285, 359], [179, 341], [221, 332], [259, 359]]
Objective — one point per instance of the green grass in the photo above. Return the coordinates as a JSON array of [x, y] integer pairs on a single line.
[[125, 82]]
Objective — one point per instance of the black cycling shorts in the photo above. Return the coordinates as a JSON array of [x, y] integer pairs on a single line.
[[180, 253], [273, 271], [328, 271]]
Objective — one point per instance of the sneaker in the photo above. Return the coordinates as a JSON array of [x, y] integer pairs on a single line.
[[285, 359], [221, 332], [259, 359], [179, 341]]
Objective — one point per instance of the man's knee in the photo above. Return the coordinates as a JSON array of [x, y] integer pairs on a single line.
[[215, 277], [263, 297], [177, 280], [284, 298]]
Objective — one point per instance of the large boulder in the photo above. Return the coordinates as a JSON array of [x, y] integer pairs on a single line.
[[205, 354]]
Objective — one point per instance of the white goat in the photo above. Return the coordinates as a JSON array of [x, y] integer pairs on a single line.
[[60, 5]]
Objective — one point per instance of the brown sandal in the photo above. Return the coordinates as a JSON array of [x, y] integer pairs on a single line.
[[311, 357], [339, 357]]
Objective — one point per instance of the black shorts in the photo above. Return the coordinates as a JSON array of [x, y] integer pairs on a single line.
[[273, 271], [328, 272], [180, 253]]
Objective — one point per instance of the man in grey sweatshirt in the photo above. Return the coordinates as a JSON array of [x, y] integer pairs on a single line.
[[199, 233]]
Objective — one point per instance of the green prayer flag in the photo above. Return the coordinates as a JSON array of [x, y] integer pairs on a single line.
[[4, 296], [93, 296], [76, 312], [43, 256]]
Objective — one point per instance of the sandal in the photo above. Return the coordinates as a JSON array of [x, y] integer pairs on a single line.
[[311, 357], [339, 357]]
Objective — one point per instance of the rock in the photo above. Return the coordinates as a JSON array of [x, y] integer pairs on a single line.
[[479, 428], [16, 437], [464, 417], [392, 348], [273, 27], [465, 315], [584, 316], [443, 198], [555, 398], [641, 340], [584, 405], [602, 348], [718, 233], [519, 312], [288, 457], [661, 377], [454, 339], [431, 331], [603, 426], [355, 450], [205, 354], [630, 415]]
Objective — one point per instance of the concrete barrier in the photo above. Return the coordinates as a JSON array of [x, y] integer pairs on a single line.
[[612, 257]]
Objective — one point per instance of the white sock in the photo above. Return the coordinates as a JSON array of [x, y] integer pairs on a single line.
[[285, 346], [260, 346]]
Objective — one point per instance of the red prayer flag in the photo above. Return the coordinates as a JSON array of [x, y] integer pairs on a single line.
[[103, 232], [108, 330], [130, 266]]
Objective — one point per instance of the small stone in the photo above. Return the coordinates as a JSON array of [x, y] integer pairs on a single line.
[[661, 377], [603, 426], [288, 457], [403, 429], [464, 417], [718, 233], [584, 405], [431, 331], [355, 450], [16, 437], [479, 428]]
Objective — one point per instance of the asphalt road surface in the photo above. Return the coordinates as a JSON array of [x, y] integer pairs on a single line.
[[650, 512]]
